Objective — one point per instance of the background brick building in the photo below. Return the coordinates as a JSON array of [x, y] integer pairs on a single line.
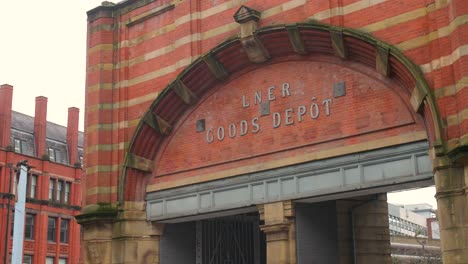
[[272, 111], [53, 194]]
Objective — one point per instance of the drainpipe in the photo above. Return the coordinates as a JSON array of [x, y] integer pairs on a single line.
[[353, 231]]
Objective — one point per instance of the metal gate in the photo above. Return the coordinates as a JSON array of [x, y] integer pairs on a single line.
[[228, 240]]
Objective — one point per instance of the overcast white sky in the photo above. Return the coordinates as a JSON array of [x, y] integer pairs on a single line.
[[43, 52]]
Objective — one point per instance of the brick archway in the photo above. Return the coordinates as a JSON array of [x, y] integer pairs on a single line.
[[282, 43]]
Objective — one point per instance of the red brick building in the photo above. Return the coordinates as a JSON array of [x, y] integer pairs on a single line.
[[271, 131], [53, 194]]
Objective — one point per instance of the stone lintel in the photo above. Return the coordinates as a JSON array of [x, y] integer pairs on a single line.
[[338, 43], [184, 92], [199, 197], [157, 123], [215, 66], [139, 163], [296, 40], [381, 60]]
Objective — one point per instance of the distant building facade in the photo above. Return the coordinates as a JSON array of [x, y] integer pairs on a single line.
[[414, 231], [281, 123], [403, 222], [410, 220], [422, 209], [53, 196]]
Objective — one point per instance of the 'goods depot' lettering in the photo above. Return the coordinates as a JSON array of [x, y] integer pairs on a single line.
[[287, 117]]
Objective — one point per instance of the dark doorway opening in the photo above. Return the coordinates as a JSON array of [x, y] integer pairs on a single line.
[[225, 240]]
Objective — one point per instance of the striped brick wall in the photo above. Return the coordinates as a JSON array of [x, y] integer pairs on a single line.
[[135, 50]]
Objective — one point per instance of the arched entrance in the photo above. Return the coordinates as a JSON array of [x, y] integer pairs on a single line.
[[284, 121], [330, 119]]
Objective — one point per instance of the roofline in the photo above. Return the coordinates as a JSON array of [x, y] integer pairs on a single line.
[[110, 9]]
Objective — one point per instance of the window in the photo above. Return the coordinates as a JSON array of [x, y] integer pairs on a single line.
[[51, 189], [62, 261], [52, 156], [29, 227], [49, 260], [52, 229], [59, 190], [58, 156], [27, 259], [18, 145], [67, 192], [64, 231], [32, 185], [59, 196]]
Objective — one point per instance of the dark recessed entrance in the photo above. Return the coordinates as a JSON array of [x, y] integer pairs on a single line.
[[226, 240]]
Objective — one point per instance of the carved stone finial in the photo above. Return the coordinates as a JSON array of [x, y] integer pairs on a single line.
[[245, 14], [248, 19]]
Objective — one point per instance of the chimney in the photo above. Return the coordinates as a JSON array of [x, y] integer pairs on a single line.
[[6, 96], [72, 134], [40, 125]]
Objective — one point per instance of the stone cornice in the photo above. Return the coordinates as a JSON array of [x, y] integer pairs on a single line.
[[97, 212]]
